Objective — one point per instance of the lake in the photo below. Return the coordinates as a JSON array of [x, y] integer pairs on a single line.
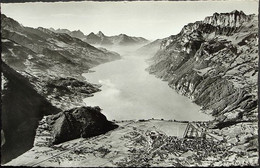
[[130, 92]]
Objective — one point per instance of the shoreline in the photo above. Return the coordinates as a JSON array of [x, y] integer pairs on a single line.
[[117, 86]]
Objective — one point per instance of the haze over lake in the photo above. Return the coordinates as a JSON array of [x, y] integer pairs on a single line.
[[130, 92]]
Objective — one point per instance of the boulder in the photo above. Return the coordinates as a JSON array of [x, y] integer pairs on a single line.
[[79, 122]]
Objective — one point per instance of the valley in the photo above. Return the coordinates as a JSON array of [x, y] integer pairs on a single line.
[[130, 92], [189, 99]]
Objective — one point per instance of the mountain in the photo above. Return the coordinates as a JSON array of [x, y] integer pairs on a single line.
[[75, 33], [215, 63], [101, 39], [50, 47], [93, 38], [222, 22], [98, 39], [150, 48], [121, 39], [45, 57], [44, 70], [60, 30]]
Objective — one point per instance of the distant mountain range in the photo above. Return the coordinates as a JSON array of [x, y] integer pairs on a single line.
[[42, 55], [76, 33], [25, 48], [103, 40]]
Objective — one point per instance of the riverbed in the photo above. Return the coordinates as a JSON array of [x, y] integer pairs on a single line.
[[130, 92]]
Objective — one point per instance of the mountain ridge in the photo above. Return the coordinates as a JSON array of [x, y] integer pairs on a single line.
[[214, 62], [101, 39], [202, 50]]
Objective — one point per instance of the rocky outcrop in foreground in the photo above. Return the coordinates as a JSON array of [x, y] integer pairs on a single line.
[[78, 122]]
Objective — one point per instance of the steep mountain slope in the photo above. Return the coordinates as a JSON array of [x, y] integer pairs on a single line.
[[215, 63], [50, 47], [46, 57], [150, 49], [22, 108]]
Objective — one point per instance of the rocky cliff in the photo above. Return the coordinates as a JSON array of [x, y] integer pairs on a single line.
[[22, 108], [215, 63]]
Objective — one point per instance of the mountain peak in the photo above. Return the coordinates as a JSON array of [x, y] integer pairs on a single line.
[[120, 39], [91, 34], [9, 23], [62, 31], [237, 12], [123, 35], [52, 29], [45, 30], [77, 31], [100, 34], [233, 19]]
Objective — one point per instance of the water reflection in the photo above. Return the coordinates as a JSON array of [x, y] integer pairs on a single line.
[[129, 92]]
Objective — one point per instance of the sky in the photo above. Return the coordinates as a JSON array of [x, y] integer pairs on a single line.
[[151, 20]]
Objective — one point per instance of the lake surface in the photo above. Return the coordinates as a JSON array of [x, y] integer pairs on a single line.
[[130, 92]]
